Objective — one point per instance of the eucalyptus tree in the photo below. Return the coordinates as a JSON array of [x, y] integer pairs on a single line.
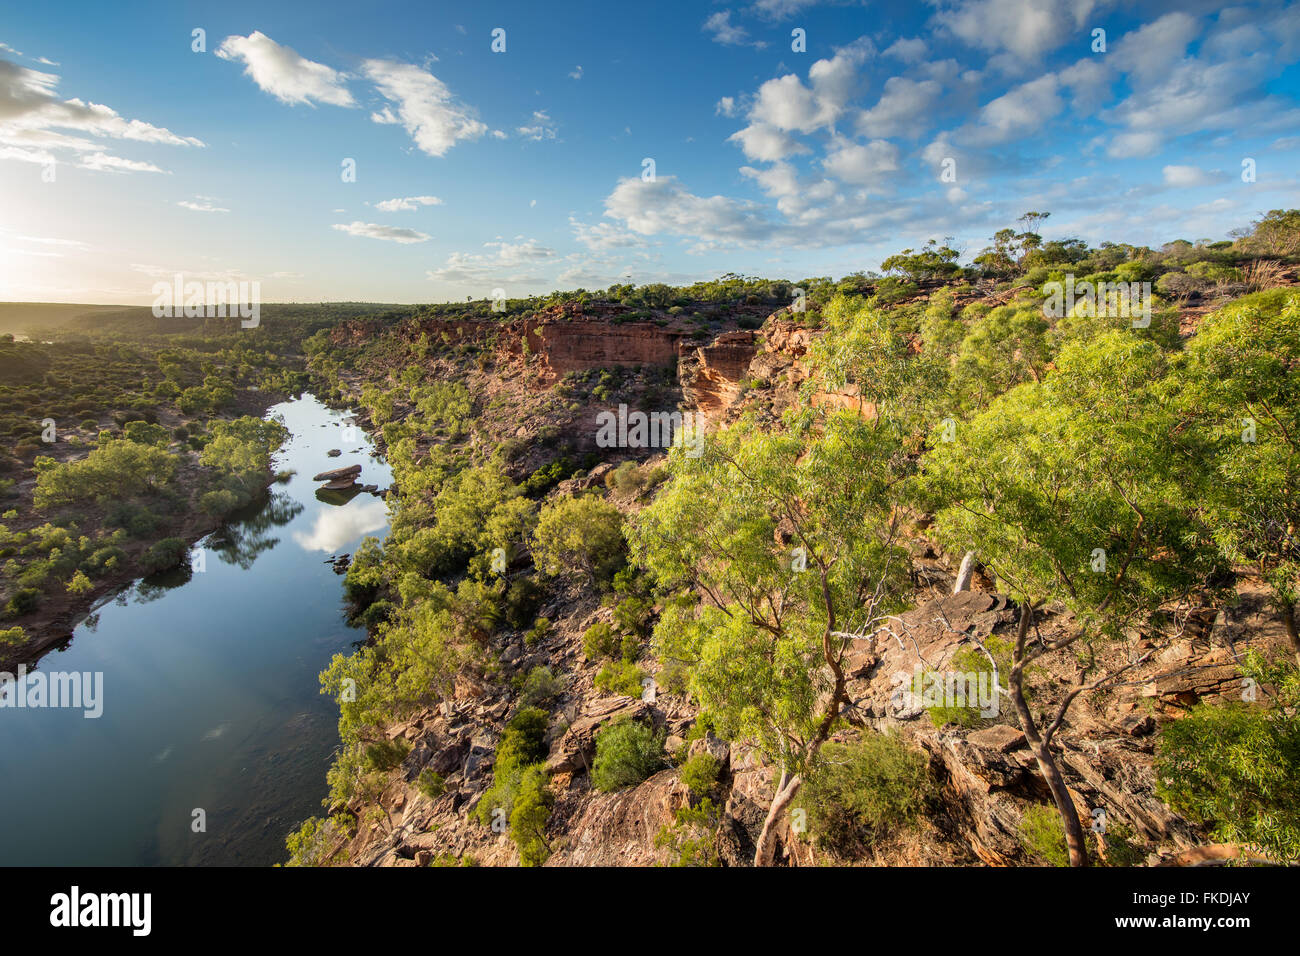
[[1240, 390], [791, 539], [1071, 490]]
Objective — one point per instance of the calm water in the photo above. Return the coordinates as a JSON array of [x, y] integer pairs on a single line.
[[210, 692]]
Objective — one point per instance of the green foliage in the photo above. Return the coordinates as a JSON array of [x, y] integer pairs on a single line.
[[627, 752], [864, 790], [700, 773], [522, 745], [531, 811], [620, 677], [164, 555], [117, 468], [1237, 766], [385, 755], [1043, 836], [600, 641], [692, 837], [541, 686], [582, 537], [12, 637], [431, 783]]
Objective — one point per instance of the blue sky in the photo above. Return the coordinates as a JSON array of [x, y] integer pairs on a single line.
[[125, 156]]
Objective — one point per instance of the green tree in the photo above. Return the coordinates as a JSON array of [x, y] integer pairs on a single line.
[[580, 536], [1069, 490], [1240, 389], [766, 648]]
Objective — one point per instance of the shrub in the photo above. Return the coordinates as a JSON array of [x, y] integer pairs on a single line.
[[12, 637], [864, 790], [521, 746], [80, 584], [541, 629], [24, 601], [600, 641], [532, 809], [700, 773], [627, 752], [1043, 836], [540, 687], [431, 784], [164, 555], [626, 479], [620, 677], [1237, 766], [582, 536], [385, 755]]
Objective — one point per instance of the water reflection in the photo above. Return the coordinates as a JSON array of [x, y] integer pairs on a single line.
[[336, 527]]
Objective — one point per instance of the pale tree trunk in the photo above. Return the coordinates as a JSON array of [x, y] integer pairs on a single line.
[[1041, 748], [786, 789], [965, 573]]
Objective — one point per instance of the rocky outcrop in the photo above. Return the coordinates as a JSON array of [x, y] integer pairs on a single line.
[[558, 348]]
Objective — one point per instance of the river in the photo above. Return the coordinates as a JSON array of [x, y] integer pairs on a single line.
[[212, 710]]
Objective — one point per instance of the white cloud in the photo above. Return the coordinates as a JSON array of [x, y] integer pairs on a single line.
[[373, 230], [786, 103], [909, 51], [900, 106], [280, 71], [425, 108], [726, 107], [603, 235], [1019, 111], [861, 165], [505, 262], [407, 203], [663, 205], [543, 127], [766, 143], [1186, 176], [576, 74], [727, 33], [1023, 28], [200, 204], [31, 115]]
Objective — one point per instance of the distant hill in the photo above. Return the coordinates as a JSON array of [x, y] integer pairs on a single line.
[[24, 317]]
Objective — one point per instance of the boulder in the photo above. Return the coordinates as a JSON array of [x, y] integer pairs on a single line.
[[351, 471]]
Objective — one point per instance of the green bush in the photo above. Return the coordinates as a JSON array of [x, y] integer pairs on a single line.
[[864, 790], [24, 601], [600, 642], [539, 687], [1043, 836], [1237, 766], [164, 555], [522, 746], [700, 773], [384, 755], [431, 783], [627, 752], [582, 537], [528, 818], [620, 677]]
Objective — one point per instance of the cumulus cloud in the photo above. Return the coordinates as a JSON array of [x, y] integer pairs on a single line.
[[766, 143], [909, 51], [1186, 176], [787, 104], [373, 230], [603, 235], [407, 203], [663, 205], [1023, 28], [861, 164], [421, 103], [897, 110], [32, 115], [280, 71], [726, 107], [504, 262]]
